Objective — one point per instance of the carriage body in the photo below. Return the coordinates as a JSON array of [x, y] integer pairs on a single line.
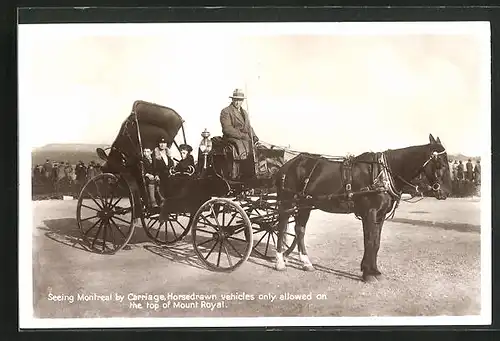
[[118, 198]]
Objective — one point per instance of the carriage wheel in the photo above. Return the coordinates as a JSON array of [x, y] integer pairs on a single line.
[[222, 235], [168, 232], [266, 234], [105, 213]]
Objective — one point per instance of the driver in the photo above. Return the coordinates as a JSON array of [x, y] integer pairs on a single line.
[[237, 130]]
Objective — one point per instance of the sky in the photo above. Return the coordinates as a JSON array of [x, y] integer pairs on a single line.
[[330, 88]]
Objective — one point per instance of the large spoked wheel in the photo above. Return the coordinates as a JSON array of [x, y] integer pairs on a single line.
[[168, 232], [222, 235], [105, 213], [264, 217]]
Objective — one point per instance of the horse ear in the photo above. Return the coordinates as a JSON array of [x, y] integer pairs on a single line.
[[438, 140], [431, 139]]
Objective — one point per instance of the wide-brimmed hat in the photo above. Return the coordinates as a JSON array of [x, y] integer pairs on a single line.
[[238, 94], [186, 147]]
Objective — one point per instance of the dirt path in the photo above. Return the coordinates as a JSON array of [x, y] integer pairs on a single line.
[[430, 255]]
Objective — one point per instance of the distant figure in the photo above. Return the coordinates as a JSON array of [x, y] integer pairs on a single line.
[[98, 168], [452, 174], [47, 168], [477, 172], [81, 174], [68, 171], [460, 171], [455, 170], [91, 171], [469, 168]]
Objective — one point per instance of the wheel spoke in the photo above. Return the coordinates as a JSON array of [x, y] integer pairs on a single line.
[[208, 222], [215, 217], [99, 192], [234, 216], [202, 230], [92, 208], [267, 244], [94, 199], [104, 236], [227, 254], [260, 239], [97, 235], [205, 242], [238, 239], [232, 246], [122, 220], [224, 214], [151, 223], [182, 227], [173, 230], [95, 224], [95, 216], [112, 206], [159, 229], [220, 251], [213, 247], [116, 226]]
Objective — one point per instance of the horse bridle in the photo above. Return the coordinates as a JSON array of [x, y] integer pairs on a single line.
[[436, 186]]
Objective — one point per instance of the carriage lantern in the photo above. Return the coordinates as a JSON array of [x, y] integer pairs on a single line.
[[205, 146]]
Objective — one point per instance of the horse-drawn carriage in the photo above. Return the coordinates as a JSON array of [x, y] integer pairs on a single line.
[[228, 218], [225, 215]]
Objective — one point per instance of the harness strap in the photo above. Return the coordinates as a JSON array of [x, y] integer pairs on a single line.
[[347, 176], [306, 181]]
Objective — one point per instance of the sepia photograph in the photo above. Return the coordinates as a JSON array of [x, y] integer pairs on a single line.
[[254, 174]]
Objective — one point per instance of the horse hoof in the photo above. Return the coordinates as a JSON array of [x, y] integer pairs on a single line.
[[280, 267], [369, 279], [308, 267], [380, 277]]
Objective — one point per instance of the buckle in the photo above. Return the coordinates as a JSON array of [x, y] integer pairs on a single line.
[[348, 187]]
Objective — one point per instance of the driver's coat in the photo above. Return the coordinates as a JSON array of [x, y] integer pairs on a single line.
[[237, 130]]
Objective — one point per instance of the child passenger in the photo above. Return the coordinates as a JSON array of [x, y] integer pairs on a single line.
[[152, 179], [187, 160]]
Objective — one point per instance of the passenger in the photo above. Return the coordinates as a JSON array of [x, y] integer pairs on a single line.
[[152, 179], [186, 161], [163, 161]]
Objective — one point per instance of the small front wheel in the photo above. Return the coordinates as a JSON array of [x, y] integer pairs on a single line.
[[222, 235]]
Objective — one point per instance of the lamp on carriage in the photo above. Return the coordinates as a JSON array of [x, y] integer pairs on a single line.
[[205, 146]]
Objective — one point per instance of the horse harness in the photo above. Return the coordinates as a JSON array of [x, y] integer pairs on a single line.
[[382, 181]]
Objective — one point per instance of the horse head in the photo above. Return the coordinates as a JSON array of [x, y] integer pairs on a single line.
[[436, 169]]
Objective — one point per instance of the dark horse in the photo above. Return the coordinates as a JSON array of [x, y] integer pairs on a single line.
[[369, 185]]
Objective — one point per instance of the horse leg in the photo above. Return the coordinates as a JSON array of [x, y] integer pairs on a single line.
[[371, 235], [300, 232], [282, 224], [378, 275]]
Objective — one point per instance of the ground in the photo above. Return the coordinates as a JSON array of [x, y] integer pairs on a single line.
[[430, 256]]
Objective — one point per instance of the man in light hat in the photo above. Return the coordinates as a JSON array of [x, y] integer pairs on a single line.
[[236, 129]]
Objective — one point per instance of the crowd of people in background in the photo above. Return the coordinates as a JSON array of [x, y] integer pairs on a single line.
[[466, 178], [56, 178]]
